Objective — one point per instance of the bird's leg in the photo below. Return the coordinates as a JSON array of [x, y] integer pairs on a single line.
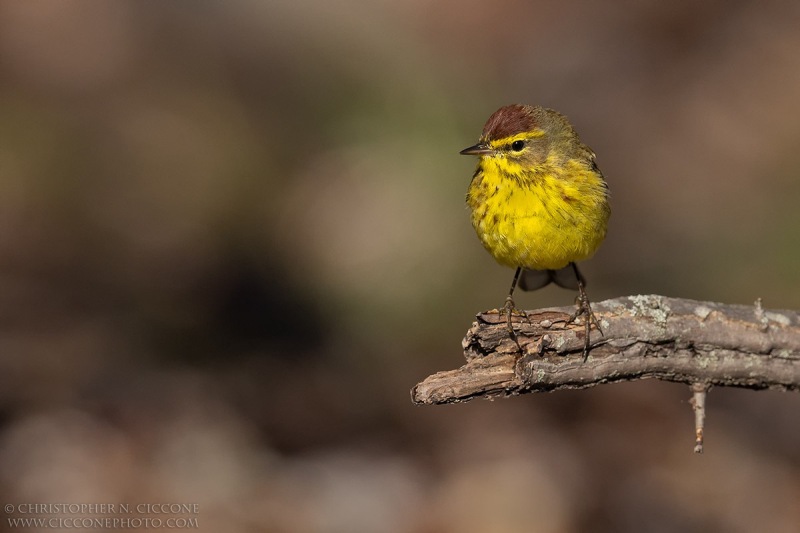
[[585, 309], [509, 308]]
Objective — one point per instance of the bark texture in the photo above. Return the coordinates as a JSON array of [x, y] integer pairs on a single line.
[[685, 341]]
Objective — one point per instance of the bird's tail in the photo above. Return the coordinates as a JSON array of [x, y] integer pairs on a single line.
[[531, 280]]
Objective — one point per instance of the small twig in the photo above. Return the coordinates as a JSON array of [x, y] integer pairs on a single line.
[[698, 402]]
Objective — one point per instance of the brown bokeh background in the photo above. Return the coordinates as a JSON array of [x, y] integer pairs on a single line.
[[233, 236]]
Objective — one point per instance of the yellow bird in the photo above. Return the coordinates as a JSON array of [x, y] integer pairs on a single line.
[[539, 203]]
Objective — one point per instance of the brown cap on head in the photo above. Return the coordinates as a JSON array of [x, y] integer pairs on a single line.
[[510, 120], [553, 129]]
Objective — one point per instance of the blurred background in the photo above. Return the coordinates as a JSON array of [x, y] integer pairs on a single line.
[[233, 236]]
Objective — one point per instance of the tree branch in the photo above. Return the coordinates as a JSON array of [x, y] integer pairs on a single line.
[[699, 343]]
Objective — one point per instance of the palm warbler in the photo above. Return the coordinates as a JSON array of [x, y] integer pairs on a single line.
[[539, 203]]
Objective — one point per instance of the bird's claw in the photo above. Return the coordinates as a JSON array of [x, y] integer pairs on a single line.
[[584, 308], [509, 309]]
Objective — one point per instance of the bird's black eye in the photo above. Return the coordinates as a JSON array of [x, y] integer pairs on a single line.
[[517, 146]]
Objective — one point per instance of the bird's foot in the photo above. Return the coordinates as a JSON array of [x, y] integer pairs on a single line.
[[584, 309], [509, 309]]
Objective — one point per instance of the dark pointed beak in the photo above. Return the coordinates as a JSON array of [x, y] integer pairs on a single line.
[[478, 149]]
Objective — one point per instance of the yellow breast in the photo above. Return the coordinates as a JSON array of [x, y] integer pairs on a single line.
[[542, 219]]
